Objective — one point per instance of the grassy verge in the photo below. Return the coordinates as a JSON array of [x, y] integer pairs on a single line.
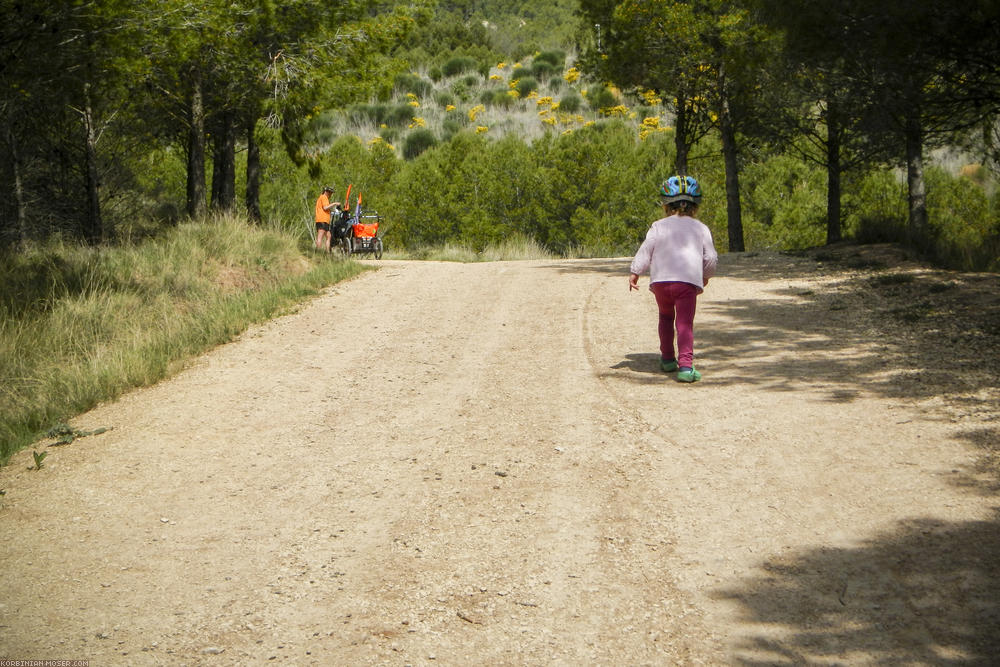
[[81, 325], [510, 249]]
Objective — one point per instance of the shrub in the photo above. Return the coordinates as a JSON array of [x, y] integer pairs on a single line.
[[399, 115], [601, 99], [367, 113], [570, 102], [450, 127], [417, 142], [389, 134], [526, 85], [542, 70], [459, 65], [557, 59], [444, 98], [411, 83], [520, 73]]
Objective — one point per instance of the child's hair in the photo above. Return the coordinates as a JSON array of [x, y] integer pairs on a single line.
[[682, 207]]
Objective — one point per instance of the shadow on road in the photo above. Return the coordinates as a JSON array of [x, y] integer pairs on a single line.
[[926, 591], [608, 266]]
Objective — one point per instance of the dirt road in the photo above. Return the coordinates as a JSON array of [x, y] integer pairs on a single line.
[[447, 464]]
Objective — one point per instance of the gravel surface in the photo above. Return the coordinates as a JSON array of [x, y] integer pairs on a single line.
[[456, 464]]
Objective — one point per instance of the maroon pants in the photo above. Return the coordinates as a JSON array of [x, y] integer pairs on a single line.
[[676, 302]]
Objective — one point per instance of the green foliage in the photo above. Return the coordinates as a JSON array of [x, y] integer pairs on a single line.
[[875, 207], [398, 115], [444, 97], [459, 65], [571, 102], [417, 142], [525, 86], [601, 98], [411, 83], [557, 59], [785, 204], [542, 70], [964, 222]]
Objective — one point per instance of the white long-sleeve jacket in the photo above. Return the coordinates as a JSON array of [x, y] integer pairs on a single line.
[[678, 248]]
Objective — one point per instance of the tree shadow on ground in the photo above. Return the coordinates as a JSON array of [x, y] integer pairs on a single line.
[[927, 593], [896, 332], [608, 266]]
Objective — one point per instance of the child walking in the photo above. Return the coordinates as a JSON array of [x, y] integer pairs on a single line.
[[680, 256]]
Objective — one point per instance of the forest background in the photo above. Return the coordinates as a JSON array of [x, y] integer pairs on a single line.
[[470, 121], [161, 159]]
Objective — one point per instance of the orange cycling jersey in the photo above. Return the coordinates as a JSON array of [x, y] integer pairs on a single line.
[[322, 215]]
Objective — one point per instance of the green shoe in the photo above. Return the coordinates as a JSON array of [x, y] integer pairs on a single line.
[[668, 366], [688, 375]]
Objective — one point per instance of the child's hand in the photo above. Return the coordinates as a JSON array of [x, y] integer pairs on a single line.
[[633, 281]]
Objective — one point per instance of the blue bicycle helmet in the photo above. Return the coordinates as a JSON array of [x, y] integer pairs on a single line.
[[680, 188]]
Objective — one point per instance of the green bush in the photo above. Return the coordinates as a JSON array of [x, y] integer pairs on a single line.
[[411, 83], [570, 102], [784, 204], [459, 65], [399, 115], [389, 134], [444, 97], [497, 98], [526, 86], [450, 127], [367, 113], [874, 206], [557, 59], [601, 98], [964, 225], [520, 72], [417, 142], [542, 70]]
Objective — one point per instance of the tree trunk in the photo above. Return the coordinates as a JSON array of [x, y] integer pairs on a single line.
[[253, 171], [196, 151], [832, 172], [681, 146], [730, 154], [224, 169], [94, 227], [916, 188], [19, 203]]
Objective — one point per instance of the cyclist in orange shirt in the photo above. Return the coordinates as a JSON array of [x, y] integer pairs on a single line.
[[324, 207]]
